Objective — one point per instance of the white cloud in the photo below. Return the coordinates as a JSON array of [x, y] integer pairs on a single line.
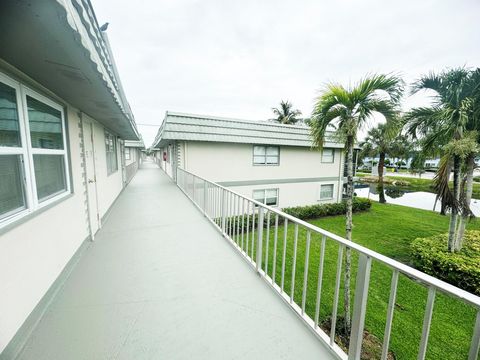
[[240, 58]]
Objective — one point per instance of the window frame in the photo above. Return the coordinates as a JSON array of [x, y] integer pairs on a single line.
[[26, 151], [127, 149], [265, 162], [333, 156], [333, 192], [115, 150], [264, 202]]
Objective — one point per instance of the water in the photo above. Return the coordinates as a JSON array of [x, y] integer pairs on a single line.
[[416, 199]]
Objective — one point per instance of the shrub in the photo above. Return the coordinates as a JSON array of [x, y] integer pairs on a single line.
[[461, 269], [317, 211], [300, 212]]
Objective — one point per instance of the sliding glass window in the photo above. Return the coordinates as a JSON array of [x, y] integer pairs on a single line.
[[33, 158]]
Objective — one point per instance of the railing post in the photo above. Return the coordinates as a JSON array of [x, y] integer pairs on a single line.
[[205, 197], [223, 211], [475, 345], [359, 307], [259, 238]]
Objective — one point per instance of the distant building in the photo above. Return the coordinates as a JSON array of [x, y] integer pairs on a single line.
[[64, 125], [270, 162]]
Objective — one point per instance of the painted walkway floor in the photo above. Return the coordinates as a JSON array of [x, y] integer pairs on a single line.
[[160, 282]]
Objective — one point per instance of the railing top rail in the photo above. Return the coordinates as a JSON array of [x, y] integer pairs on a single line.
[[404, 269]]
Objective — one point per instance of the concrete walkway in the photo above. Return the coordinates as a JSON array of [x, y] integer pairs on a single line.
[[160, 282]]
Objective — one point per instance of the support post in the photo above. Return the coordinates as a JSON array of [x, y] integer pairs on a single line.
[[205, 197], [259, 238], [223, 211], [359, 307]]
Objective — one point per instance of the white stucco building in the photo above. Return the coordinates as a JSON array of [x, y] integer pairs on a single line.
[[64, 122], [270, 162]]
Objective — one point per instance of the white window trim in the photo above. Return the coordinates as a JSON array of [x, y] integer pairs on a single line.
[[265, 195], [127, 150], [320, 192], [333, 156], [265, 163], [32, 203]]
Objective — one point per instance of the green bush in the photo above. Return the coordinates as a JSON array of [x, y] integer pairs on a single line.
[[318, 211], [461, 269], [300, 212]]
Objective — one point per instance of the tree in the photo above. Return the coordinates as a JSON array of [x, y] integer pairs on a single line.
[[285, 114], [349, 109], [381, 140], [453, 112]]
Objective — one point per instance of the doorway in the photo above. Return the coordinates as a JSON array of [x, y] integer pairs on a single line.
[[90, 169]]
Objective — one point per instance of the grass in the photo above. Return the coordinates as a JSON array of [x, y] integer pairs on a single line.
[[419, 184], [389, 230]]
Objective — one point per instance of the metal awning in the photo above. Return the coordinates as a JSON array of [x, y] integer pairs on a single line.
[[59, 45]]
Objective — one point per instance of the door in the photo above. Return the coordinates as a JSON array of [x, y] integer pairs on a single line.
[[90, 168]]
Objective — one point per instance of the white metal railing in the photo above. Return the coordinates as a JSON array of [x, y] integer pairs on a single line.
[[247, 224]]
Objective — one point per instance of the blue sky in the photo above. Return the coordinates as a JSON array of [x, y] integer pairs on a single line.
[[240, 58]]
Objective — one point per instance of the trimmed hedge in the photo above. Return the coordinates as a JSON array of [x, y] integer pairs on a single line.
[[300, 212], [318, 211], [461, 269]]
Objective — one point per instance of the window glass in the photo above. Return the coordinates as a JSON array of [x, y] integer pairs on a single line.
[[259, 195], [49, 175], [326, 191], [12, 196], [327, 155], [259, 150], [271, 197], [266, 155], [266, 196], [45, 125], [127, 153], [9, 125]]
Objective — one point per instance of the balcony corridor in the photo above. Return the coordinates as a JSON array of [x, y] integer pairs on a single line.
[[160, 282]]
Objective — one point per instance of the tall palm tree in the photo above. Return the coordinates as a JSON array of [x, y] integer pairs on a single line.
[[450, 115], [382, 140], [349, 109], [285, 114]]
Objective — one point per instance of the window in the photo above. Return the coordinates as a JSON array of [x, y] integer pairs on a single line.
[[33, 156], [326, 191], [328, 155], [111, 149], [266, 155], [266, 196], [127, 153]]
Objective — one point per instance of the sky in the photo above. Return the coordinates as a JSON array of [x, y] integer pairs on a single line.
[[240, 58]]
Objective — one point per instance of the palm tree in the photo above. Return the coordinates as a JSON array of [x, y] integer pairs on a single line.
[[452, 113], [285, 114], [349, 109], [382, 140]]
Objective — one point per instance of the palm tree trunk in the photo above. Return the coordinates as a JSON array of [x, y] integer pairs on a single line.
[[381, 165], [348, 230], [468, 197], [456, 194]]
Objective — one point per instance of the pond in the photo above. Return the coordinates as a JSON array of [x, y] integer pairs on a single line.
[[416, 199]]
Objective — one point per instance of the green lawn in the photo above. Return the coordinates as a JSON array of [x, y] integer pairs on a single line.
[[387, 229]]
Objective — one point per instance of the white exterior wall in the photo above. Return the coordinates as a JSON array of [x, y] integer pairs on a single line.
[[34, 253], [294, 194], [221, 162], [35, 249], [298, 175]]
